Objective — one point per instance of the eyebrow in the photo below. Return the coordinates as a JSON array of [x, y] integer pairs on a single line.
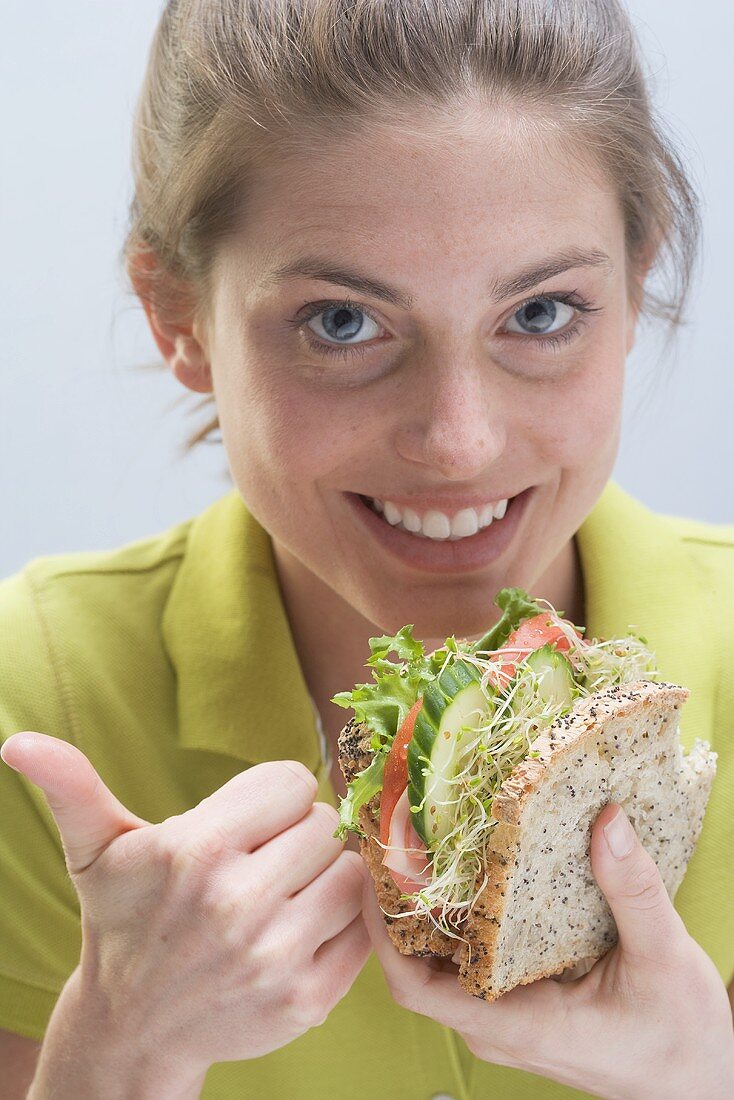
[[312, 267]]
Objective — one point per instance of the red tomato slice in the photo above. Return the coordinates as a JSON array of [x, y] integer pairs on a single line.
[[530, 635], [395, 776]]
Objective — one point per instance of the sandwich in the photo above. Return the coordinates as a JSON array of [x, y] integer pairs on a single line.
[[474, 776]]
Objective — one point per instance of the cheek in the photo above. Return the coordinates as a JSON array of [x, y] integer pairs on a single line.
[[283, 434], [313, 434], [581, 414]]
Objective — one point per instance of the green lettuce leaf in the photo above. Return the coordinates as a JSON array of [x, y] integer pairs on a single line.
[[403, 643], [516, 606], [383, 705], [363, 787]]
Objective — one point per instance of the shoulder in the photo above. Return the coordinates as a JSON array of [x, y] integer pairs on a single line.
[[700, 533], [139, 556], [69, 578], [72, 623], [711, 547]]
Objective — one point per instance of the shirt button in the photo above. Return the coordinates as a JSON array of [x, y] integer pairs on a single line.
[[441, 1096]]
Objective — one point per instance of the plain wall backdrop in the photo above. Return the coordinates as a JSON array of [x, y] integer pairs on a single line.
[[90, 447]]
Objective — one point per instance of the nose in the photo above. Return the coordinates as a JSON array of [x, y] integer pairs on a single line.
[[453, 422]]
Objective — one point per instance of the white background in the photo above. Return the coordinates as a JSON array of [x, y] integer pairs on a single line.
[[90, 446]]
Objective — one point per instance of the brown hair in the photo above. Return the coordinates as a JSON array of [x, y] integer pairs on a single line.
[[230, 82]]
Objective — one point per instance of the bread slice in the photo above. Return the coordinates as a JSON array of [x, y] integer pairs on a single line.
[[541, 911]]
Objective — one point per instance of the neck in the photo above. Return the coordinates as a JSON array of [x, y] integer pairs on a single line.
[[331, 636]]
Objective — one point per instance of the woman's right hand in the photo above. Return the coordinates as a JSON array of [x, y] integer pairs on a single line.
[[219, 934]]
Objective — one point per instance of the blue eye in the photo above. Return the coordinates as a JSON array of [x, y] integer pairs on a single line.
[[539, 316], [345, 326], [342, 323]]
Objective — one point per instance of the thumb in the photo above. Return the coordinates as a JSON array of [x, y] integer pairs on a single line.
[[629, 878], [87, 814]]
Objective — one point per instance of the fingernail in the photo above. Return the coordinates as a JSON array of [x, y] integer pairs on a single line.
[[620, 835], [6, 761]]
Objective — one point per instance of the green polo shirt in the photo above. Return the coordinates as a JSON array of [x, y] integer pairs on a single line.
[[169, 662]]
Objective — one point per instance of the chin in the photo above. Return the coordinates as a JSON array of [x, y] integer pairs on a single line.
[[460, 608]]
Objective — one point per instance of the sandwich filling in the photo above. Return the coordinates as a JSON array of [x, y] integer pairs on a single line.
[[447, 728]]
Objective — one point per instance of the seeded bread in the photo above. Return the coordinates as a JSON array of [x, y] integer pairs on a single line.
[[411, 935], [541, 911]]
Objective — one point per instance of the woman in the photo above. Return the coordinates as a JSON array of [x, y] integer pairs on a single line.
[[405, 247]]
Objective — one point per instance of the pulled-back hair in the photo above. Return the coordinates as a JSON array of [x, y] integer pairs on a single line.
[[231, 83]]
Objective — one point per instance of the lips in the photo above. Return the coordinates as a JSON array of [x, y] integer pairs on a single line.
[[442, 555]]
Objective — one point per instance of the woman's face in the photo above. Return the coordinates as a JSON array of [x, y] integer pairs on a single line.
[[493, 367]]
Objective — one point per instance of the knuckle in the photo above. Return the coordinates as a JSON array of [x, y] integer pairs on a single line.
[[297, 778], [202, 850], [645, 887], [165, 849], [259, 971], [286, 943], [267, 883], [271, 959], [224, 916], [327, 817], [216, 902], [308, 1004], [351, 866], [195, 852]]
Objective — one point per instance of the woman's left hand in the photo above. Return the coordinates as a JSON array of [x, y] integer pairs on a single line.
[[650, 1020]]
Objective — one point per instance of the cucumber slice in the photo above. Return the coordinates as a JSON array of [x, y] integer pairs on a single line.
[[461, 717], [556, 684], [436, 750]]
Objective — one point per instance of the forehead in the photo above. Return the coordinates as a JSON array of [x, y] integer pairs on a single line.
[[490, 186]]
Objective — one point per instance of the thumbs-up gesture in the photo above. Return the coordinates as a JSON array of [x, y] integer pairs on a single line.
[[220, 934]]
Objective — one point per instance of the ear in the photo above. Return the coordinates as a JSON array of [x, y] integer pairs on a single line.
[[172, 329]]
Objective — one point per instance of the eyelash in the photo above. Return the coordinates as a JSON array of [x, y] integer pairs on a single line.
[[552, 343]]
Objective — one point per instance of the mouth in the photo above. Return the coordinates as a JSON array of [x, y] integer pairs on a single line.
[[435, 541], [436, 525]]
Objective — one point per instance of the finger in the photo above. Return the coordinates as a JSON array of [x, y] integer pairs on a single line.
[[258, 803], [337, 962], [421, 986], [300, 853], [414, 982], [331, 902], [628, 877], [87, 814]]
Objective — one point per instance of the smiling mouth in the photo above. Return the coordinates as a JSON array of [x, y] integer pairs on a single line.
[[436, 526]]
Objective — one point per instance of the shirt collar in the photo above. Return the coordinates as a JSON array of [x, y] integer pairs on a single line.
[[240, 687], [639, 573]]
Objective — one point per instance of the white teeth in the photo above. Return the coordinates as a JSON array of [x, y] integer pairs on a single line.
[[465, 522], [392, 513], [437, 525], [411, 520]]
